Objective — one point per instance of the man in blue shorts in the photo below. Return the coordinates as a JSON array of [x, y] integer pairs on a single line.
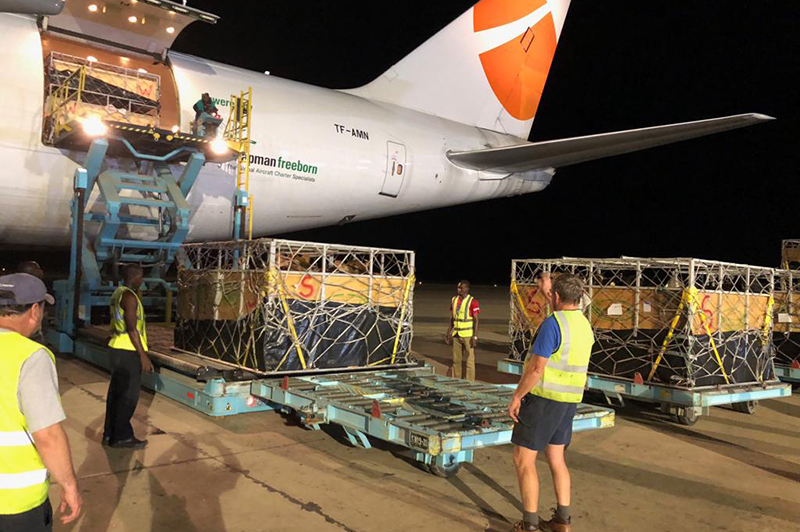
[[546, 399]]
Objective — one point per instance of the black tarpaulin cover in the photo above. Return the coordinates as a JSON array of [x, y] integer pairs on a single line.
[[336, 335], [787, 347], [743, 357]]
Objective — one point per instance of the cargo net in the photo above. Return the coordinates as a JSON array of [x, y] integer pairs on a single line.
[[786, 332], [278, 305], [79, 89], [678, 322]]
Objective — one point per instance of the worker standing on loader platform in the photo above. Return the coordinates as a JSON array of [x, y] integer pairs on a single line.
[[546, 399], [128, 360], [205, 121], [463, 330], [32, 440]]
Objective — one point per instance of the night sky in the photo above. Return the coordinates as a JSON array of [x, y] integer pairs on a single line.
[[620, 64]]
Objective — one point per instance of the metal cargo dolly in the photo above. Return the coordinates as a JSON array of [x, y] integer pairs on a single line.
[[434, 420], [685, 404], [787, 373], [438, 421]]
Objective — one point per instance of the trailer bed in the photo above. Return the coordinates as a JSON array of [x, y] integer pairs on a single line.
[[439, 420], [436, 420], [687, 404]]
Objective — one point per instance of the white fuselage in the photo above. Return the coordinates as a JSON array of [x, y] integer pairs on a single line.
[[345, 146]]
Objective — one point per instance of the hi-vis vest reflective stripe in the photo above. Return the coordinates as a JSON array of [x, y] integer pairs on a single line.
[[119, 333], [463, 324], [565, 373], [23, 477]]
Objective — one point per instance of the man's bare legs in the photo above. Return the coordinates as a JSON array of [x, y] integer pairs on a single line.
[[525, 464], [561, 478]]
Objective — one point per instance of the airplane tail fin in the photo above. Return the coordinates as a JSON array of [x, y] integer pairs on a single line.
[[487, 68]]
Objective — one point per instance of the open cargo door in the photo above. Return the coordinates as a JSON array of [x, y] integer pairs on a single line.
[[146, 25]]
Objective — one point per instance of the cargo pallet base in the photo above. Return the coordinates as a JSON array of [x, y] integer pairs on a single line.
[[787, 373], [685, 404], [437, 421], [440, 421]]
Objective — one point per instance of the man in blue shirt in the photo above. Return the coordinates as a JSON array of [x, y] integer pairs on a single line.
[[546, 400]]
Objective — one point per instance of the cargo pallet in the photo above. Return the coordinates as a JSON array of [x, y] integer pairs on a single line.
[[787, 373], [440, 421], [437, 421], [685, 404]]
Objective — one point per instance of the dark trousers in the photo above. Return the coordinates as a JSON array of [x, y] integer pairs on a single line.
[[123, 394], [40, 519]]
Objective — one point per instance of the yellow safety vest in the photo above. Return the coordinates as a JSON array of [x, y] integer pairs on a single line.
[[565, 373], [23, 477], [119, 332], [463, 324]]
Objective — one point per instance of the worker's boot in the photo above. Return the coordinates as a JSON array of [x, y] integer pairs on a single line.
[[130, 443], [555, 524], [524, 526]]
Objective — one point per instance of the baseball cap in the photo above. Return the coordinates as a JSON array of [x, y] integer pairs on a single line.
[[24, 289]]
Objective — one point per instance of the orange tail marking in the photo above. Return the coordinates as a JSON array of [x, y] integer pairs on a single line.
[[517, 70], [492, 13]]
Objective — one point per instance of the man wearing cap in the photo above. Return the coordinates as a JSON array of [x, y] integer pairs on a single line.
[[32, 267], [129, 360], [32, 440]]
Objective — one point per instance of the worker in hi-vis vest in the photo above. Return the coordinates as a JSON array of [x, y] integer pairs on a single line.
[[32, 441], [547, 397], [128, 360], [463, 330]]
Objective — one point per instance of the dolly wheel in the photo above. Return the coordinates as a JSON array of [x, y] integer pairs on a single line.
[[747, 407], [688, 418], [445, 471]]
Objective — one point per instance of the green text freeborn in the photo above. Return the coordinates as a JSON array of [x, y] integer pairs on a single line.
[[280, 162]]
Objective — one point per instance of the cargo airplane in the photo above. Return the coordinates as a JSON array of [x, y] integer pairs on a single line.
[[446, 125]]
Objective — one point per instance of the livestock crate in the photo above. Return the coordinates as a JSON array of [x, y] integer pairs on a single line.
[[786, 331], [679, 322], [274, 305]]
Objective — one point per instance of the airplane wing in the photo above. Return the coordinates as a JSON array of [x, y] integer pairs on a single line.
[[563, 152]]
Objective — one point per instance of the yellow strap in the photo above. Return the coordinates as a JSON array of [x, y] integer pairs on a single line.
[[766, 330], [704, 322], [409, 284], [768, 318], [672, 326], [278, 282]]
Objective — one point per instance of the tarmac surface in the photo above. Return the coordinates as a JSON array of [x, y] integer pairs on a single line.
[[261, 472]]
